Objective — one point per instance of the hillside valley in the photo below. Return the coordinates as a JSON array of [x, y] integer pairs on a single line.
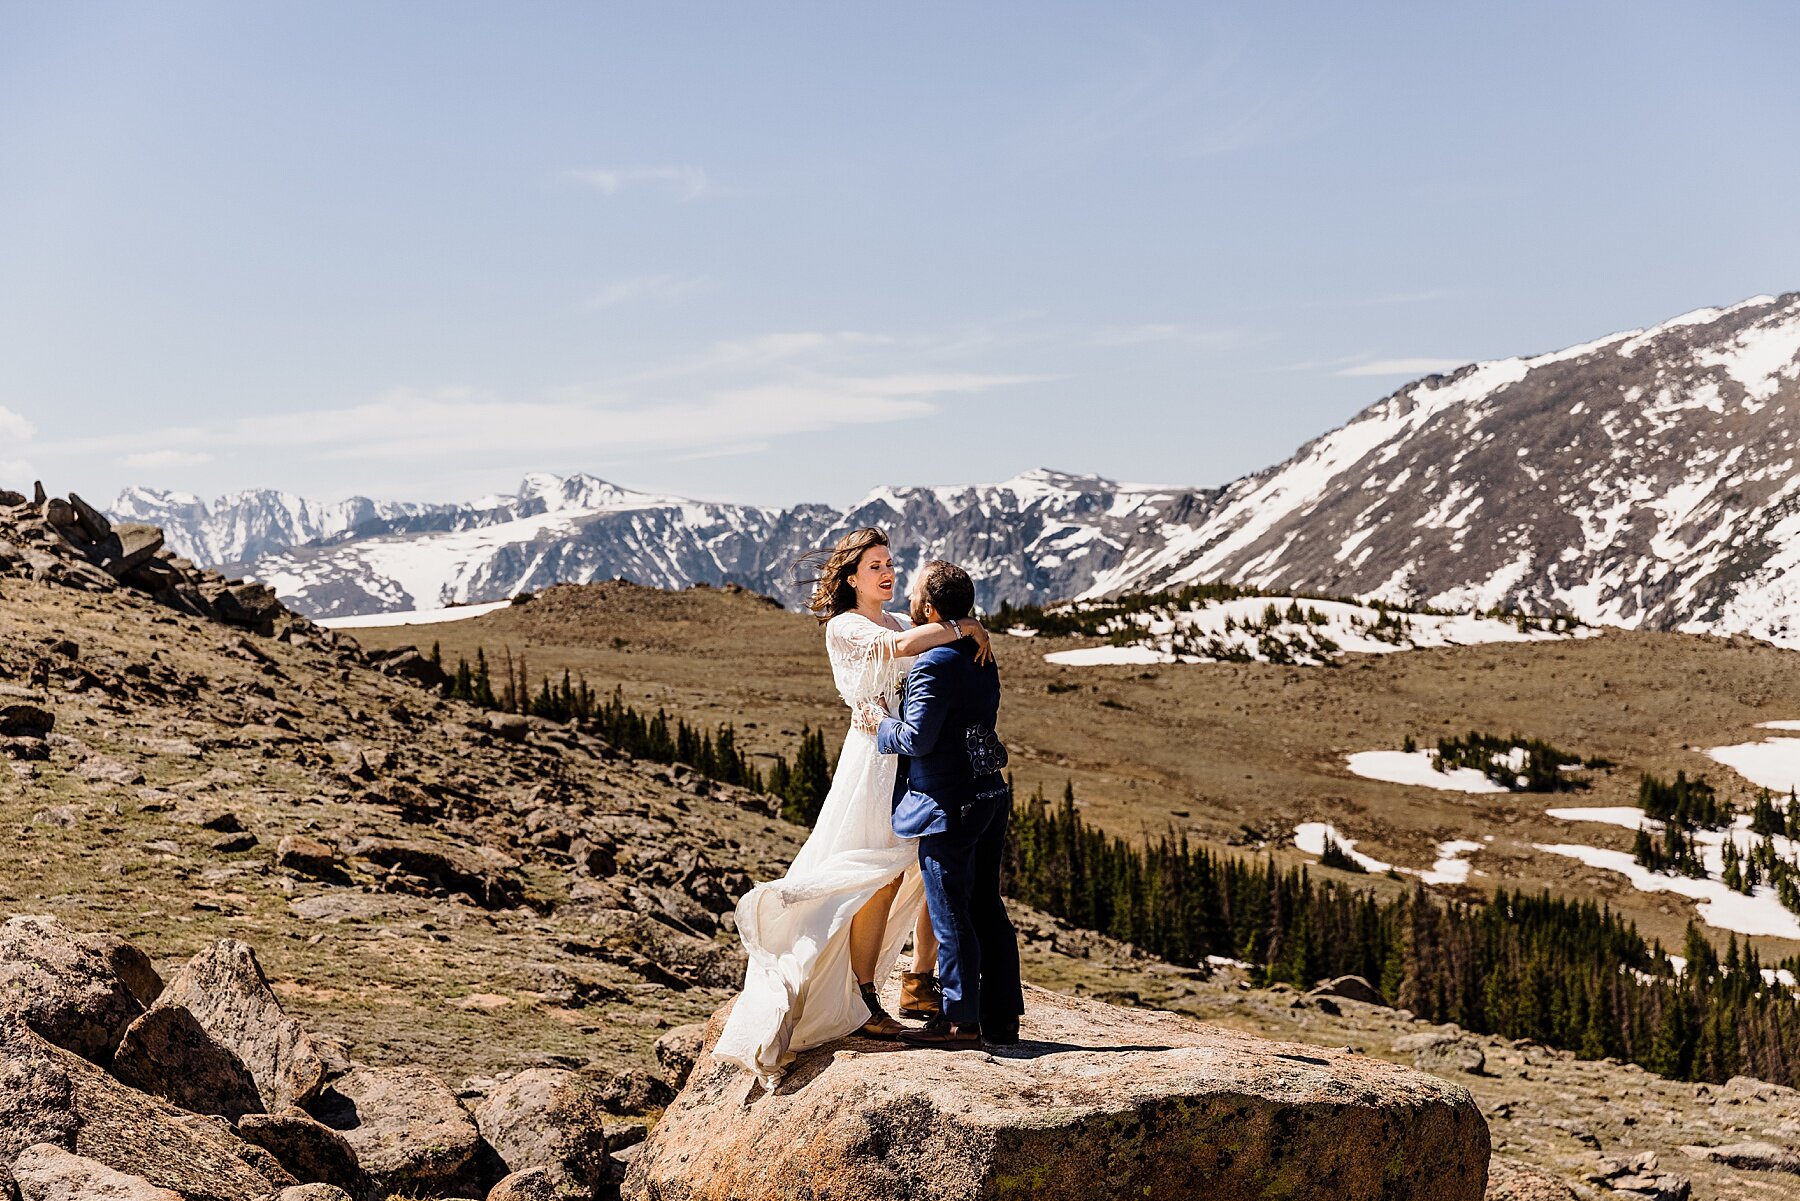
[[1233, 754], [426, 883]]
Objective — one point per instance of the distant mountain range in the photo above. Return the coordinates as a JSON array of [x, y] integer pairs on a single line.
[[1649, 478], [1041, 536]]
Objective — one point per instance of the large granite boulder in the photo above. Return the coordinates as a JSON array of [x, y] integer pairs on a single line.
[[1096, 1102], [49, 1095], [311, 1151], [223, 987], [409, 1132], [547, 1118], [167, 1052], [62, 985], [46, 1172]]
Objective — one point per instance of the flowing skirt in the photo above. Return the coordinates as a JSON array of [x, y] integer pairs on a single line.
[[799, 991]]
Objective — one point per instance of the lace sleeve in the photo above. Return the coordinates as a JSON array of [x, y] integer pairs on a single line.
[[863, 662]]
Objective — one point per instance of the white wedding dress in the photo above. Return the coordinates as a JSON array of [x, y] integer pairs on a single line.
[[799, 991]]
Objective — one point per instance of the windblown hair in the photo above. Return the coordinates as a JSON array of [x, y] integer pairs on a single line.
[[832, 593], [949, 589]]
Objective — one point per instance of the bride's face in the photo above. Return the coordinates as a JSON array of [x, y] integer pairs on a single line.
[[874, 577]]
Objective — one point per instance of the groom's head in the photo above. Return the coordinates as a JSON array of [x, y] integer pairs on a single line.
[[941, 592]]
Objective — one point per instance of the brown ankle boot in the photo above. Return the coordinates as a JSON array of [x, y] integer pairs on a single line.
[[879, 1025], [921, 998]]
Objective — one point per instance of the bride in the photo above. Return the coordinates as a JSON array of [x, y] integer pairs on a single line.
[[822, 938]]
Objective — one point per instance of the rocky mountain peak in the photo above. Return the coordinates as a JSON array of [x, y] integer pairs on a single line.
[[1644, 479]]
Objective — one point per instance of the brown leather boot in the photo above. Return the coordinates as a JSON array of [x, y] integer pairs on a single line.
[[921, 998], [879, 1025]]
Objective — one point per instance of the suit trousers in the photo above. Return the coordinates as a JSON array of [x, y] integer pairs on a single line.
[[978, 949]]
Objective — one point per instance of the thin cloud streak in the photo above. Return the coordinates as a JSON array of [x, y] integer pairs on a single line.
[[662, 288], [403, 426], [686, 183]]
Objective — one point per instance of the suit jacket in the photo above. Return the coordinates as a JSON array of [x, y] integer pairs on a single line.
[[945, 735]]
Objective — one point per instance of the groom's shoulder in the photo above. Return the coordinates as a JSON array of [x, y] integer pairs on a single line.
[[940, 657]]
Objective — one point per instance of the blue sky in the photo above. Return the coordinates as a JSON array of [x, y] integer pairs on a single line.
[[786, 252]]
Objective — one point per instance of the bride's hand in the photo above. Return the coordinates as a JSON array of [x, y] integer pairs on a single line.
[[984, 643], [868, 717]]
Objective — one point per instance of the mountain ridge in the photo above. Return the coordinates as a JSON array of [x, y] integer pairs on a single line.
[[1645, 479]]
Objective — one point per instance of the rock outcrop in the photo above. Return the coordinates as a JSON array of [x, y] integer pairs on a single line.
[[62, 985], [548, 1118], [1096, 1102], [408, 1130], [53, 1096], [46, 1172], [223, 988]]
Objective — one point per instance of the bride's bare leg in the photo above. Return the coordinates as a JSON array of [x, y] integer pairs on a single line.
[[925, 944], [867, 930]]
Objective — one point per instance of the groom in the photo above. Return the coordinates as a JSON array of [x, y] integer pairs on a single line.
[[951, 796]]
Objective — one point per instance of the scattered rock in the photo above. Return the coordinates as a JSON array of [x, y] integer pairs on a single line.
[[513, 727], [406, 1126], [1162, 1101], [631, 1091], [312, 1151], [54, 1096], [314, 1192], [1351, 988], [537, 1184], [1749, 1157], [310, 857], [234, 844], [168, 1053], [677, 1050], [225, 990], [45, 1172], [63, 987], [20, 719], [128, 963], [478, 873], [1639, 1179], [1439, 1051], [547, 1118], [1512, 1180], [105, 768]]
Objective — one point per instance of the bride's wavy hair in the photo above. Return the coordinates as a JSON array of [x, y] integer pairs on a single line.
[[828, 572]]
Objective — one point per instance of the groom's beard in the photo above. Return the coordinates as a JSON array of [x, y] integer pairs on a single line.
[[918, 613]]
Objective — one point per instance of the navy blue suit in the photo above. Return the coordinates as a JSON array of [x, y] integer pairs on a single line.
[[950, 794]]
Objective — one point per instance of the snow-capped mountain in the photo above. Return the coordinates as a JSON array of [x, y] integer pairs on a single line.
[[1648, 479], [1040, 536], [245, 525], [1645, 479]]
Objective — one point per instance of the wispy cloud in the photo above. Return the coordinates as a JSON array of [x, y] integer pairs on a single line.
[[1419, 366], [14, 429], [662, 289], [1184, 335], [15, 433], [1215, 103], [151, 459], [685, 183]]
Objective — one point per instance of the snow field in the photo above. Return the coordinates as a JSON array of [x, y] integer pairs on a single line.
[[1175, 639], [1450, 867], [1720, 907], [1417, 767], [412, 617]]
